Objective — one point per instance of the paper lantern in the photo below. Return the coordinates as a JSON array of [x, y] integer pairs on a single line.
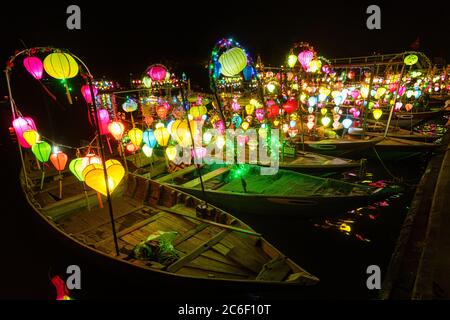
[[292, 60], [162, 136], [232, 61], [91, 158], [147, 82], [377, 113], [130, 105], [247, 73], [76, 166], [325, 121], [312, 101], [249, 108], [290, 106], [411, 59], [34, 66], [22, 124], [235, 106], [161, 111], [346, 123], [271, 87], [31, 137], [59, 160], [171, 152], [149, 138], [408, 106], [315, 65], [310, 125], [305, 58], [60, 65], [42, 151], [86, 92], [245, 125], [198, 111], [180, 132], [131, 148], [147, 150], [103, 118], [273, 111], [157, 73], [136, 136], [116, 128], [236, 120], [292, 132], [94, 176], [323, 111]]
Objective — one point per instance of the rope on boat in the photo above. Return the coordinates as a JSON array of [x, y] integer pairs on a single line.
[[384, 166]]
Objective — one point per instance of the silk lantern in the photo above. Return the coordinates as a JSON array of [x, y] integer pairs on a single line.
[[377, 113], [76, 166], [248, 73], [60, 65], [22, 124], [326, 121], [290, 106], [292, 60], [86, 92], [157, 73], [34, 66], [91, 158], [116, 128], [59, 160], [94, 176], [135, 136], [411, 59], [233, 61], [305, 57], [130, 105], [31, 137], [103, 118], [162, 136], [147, 150], [149, 138], [42, 151], [171, 152]]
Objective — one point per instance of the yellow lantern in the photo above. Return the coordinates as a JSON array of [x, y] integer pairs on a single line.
[[245, 125], [323, 111], [31, 137], [198, 111], [233, 61], [325, 91], [377, 113], [171, 152], [249, 108], [292, 60], [60, 65], [364, 92], [325, 121], [162, 136], [180, 132], [135, 136], [94, 176], [315, 65]]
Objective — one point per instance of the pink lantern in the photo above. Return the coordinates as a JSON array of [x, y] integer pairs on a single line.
[[355, 94], [259, 113], [86, 92], [401, 91], [235, 106], [326, 69], [34, 66], [305, 58], [219, 126], [21, 125], [157, 73], [393, 87], [103, 118], [199, 152]]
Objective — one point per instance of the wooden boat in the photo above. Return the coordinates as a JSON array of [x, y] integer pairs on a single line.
[[349, 146], [285, 193], [398, 149], [407, 120], [396, 132], [315, 163], [211, 246]]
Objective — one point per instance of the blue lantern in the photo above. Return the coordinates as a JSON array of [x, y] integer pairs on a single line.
[[149, 138], [248, 73], [217, 69]]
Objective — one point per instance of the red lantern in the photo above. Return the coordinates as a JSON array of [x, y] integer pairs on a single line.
[[59, 160], [157, 73], [148, 120], [290, 106], [351, 75], [161, 111], [86, 92], [273, 111], [131, 148], [34, 66], [116, 128]]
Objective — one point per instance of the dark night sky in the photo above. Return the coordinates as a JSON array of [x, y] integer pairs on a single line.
[[117, 39]]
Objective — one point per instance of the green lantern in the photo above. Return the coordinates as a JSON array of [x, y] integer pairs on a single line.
[[411, 59], [76, 166], [42, 151]]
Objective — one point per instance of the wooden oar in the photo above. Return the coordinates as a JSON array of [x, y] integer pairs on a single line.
[[209, 222]]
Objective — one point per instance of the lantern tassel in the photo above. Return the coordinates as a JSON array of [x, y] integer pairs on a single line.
[[69, 97], [42, 178], [60, 187], [99, 198], [87, 197]]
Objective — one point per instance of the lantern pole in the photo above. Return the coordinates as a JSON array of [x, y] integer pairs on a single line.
[[13, 111], [105, 172]]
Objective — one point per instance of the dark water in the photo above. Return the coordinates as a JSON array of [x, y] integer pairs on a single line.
[[337, 249]]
